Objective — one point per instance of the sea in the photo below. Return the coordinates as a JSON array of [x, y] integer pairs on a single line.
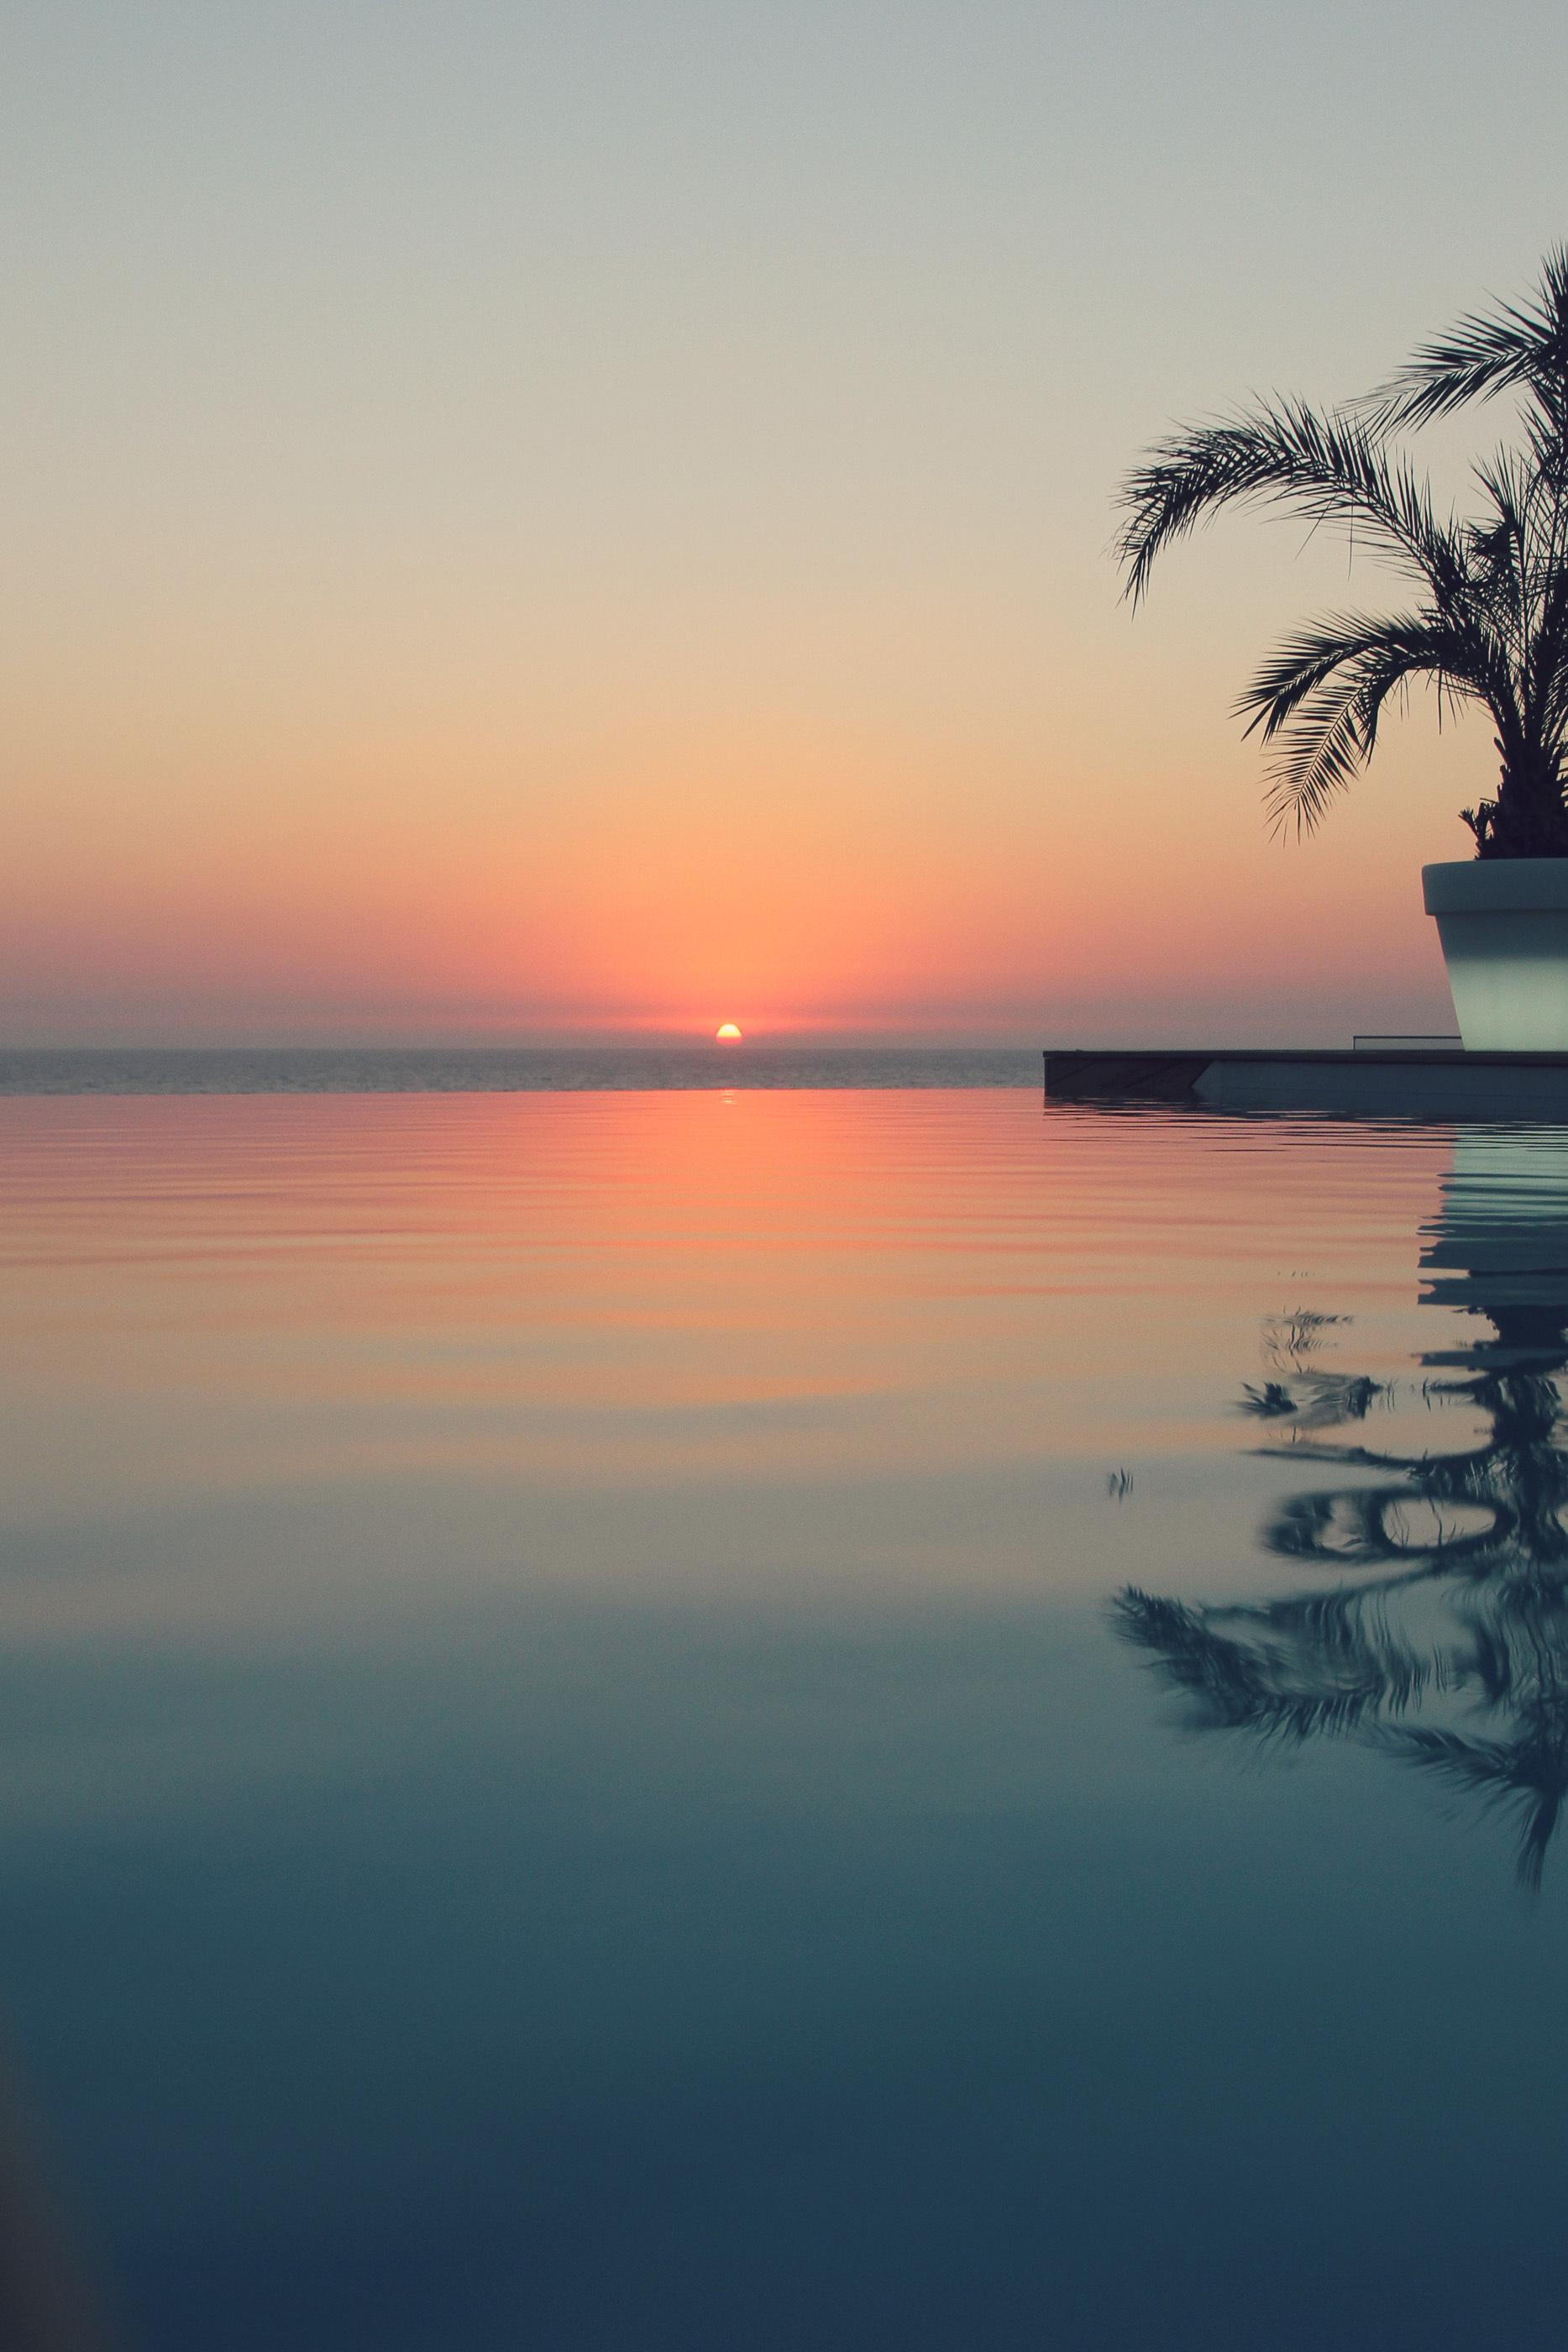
[[663, 1703], [504, 1069]]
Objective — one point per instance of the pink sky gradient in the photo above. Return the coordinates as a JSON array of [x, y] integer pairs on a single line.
[[523, 527]]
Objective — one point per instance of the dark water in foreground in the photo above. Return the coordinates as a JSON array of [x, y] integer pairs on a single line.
[[849, 1718]]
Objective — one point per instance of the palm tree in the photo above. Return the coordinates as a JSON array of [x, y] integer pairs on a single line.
[[1488, 623]]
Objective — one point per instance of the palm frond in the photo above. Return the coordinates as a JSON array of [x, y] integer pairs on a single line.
[[1511, 345], [1311, 658], [1322, 695], [1326, 469]]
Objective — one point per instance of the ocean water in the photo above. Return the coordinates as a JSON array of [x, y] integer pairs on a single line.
[[740, 1719], [504, 1069]]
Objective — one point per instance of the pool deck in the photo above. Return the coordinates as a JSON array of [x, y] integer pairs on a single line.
[[1400, 1082]]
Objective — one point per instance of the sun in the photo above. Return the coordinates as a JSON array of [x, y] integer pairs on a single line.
[[726, 1034]]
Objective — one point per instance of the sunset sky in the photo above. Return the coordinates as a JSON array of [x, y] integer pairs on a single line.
[[548, 518]]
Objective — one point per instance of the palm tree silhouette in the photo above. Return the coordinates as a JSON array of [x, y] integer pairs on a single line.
[[1444, 1644], [1488, 624]]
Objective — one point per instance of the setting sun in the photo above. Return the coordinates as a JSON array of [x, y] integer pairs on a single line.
[[726, 1034]]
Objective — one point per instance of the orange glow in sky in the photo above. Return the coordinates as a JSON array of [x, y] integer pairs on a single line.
[[560, 548]]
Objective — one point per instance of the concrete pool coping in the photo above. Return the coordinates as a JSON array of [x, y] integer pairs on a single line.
[[1394, 1082]]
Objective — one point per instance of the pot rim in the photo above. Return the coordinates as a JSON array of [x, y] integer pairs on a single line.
[[1496, 885]]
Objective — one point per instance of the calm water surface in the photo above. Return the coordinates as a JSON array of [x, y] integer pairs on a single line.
[[638, 1720]]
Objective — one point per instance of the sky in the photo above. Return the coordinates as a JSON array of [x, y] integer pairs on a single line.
[[541, 519]]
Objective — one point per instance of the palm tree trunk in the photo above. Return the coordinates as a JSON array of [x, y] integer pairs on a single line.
[[1528, 818]]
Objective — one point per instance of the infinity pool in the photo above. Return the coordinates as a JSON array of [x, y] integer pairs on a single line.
[[827, 1719]]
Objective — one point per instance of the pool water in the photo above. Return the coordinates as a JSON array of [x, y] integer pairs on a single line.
[[842, 1718]]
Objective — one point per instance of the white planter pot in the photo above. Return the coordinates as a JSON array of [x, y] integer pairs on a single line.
[[1503, 922]]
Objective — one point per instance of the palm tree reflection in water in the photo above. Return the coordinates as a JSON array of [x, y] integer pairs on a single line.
[[1449, 1647]]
